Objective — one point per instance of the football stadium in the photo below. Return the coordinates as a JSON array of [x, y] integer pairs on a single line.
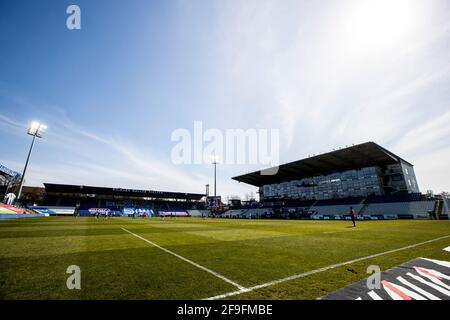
[[224, 158], [295, 243]]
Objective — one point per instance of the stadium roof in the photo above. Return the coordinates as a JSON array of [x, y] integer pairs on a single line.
[[78, 189], [4, 171], [354, 157]]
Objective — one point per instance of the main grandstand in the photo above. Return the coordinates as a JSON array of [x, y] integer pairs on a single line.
[[374, 181], [63, 199]]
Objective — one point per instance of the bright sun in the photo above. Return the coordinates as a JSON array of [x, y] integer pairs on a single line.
[[376, 25]]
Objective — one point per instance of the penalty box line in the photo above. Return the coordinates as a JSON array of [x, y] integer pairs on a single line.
[[308, 273], [218, 275]]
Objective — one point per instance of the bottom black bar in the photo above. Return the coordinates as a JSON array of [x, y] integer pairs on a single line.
[[222, 309]]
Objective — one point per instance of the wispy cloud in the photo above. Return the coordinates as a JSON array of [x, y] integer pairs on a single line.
[[7, 121], [308, 78], [93, 158]]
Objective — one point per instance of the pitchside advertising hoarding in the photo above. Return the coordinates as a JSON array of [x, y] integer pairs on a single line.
[[173, 213], [129, 211], [55, 210], [138, 212]]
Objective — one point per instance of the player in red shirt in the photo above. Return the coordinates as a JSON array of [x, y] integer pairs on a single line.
[[352, 215]]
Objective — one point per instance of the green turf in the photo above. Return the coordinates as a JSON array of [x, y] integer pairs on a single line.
[[35, 253]]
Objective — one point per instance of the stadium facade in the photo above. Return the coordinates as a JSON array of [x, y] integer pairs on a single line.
[[374, 181], [358, 171], [63, 199]]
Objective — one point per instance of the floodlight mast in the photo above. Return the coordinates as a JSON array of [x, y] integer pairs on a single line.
[[214, 162], [215, 180], [36, 130]]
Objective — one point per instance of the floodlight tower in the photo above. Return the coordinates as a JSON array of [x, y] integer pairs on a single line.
[[36, 130], [215, 159]]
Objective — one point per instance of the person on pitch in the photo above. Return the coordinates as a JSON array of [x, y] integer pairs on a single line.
[[352, 215]]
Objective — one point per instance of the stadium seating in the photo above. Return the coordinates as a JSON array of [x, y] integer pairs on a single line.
[[257, 212], [248, 213], [13, 212], [402, 197], [8, 209], [416, 209], [341, 201], [198, 213], [235, 213], [295, 212], [342, 209], [402, 206]]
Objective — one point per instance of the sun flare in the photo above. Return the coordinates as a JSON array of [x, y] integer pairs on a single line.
[[379, 25]]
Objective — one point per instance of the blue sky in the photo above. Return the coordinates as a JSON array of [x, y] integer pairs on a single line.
[[325, 73]]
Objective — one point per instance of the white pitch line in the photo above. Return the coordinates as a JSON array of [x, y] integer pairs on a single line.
[[241, 288], [342, 231], [308, 273], [374, 296]]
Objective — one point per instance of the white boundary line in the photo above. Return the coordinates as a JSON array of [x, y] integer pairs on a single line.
[[241, 288], [308, 273]]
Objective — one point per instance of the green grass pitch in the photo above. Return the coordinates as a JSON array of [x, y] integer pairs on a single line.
[[35, 253]]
